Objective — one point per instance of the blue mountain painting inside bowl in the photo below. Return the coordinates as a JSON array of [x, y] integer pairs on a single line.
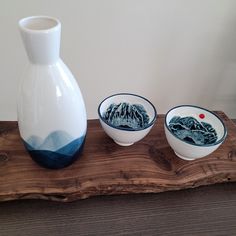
[[56, 151], [193, 131], [127, 116]]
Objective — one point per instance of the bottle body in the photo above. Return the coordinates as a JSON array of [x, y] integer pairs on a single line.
[[51, 111]]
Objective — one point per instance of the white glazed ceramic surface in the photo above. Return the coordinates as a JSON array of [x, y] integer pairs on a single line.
[[189, 151], [50, 99], [50, 103], [121, 136]]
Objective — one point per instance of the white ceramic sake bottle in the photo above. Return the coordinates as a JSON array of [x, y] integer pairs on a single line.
[[51, 112]]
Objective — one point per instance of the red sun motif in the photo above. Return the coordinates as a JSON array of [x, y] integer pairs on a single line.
[[201, 116]]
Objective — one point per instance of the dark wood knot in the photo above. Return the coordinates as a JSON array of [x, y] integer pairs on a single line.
[[232, 155], [3, 157], [159, 158], [124, 175]]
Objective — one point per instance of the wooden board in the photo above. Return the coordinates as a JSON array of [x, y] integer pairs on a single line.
[[106, 168]]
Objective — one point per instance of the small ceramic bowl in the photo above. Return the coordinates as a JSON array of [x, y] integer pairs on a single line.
[[126, 118], [204, 139]]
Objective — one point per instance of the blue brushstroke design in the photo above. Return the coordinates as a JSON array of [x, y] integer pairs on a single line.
[[128, 116], [52, 142], [193, 131], [34, 142], [60, 155]]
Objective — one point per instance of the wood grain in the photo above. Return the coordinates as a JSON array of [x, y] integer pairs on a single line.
[[106, 168]]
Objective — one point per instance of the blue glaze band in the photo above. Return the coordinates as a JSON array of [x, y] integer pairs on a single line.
[[206, 145], [122, 128], [55, 159]]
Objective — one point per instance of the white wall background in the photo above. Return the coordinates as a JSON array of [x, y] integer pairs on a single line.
[[172, 52]]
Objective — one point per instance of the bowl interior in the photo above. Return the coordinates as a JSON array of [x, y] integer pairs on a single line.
[[131, 99], [200, 114]]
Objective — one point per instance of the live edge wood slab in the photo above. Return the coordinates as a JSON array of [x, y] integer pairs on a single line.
[[106, 168]]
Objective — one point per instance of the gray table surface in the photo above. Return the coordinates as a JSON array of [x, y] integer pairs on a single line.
[[208, 210]]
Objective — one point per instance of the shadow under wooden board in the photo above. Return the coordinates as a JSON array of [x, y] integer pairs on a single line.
[[149, 166]]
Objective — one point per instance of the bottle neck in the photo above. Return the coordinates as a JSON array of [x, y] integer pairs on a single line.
[[41, 38]]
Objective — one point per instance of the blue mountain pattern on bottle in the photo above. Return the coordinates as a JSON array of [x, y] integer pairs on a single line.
[[52, 142], [128, 116], [193, 131], [56, 151]]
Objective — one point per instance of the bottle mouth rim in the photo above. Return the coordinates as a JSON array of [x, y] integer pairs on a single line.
[[39, 24]]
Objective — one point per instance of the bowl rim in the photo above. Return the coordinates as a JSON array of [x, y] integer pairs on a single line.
[[198, 145], [120, 128]]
